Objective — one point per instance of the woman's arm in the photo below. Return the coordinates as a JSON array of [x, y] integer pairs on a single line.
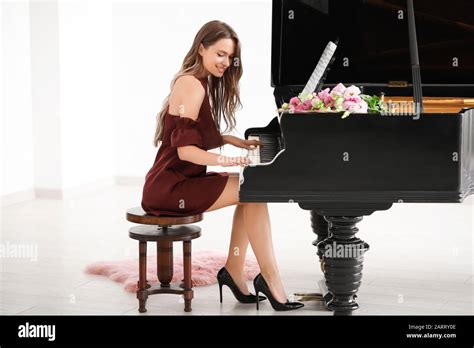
[[189, 94], [196, 155], [242, 143]]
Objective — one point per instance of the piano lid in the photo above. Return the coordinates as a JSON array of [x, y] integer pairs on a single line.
[[373, 45]]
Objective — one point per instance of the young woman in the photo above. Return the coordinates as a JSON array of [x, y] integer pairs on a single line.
[[187, 126]]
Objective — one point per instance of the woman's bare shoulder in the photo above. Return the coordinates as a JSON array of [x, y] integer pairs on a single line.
[[188, 84], [187, 96]]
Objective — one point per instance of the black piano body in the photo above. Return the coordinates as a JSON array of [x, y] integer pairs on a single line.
[[343, 169], [365, 158]]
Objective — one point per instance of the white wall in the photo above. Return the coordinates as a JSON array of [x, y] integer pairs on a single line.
[[83, 81], [16, 157], [87, 120], [46, 97], [150, 42], [2, 105]]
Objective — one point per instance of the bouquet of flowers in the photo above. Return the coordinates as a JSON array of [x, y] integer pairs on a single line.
[[339, 99]]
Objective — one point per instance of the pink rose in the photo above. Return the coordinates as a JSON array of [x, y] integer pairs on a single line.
[[340, 88], [329, 101], [363, 107], [356, 108], [324, 94], [326, 97], [355, 99], [350, 106], [351, 91], [294, 101], [301, 107]]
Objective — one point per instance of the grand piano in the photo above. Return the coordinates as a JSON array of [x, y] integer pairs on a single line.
[[344, 169]]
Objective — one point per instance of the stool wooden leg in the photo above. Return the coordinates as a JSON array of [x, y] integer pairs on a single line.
[[165, 263], [188, 292], [142, 293]]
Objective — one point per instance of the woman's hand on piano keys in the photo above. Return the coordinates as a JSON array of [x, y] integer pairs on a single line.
[[241, 143], [242, 161]]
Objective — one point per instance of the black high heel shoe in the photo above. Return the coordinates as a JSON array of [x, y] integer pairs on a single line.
[[224, 278], [261, 286]]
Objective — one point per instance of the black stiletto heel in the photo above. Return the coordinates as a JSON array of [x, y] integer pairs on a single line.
[[261, 286], [220, 291], [224, 278], [256, 294]]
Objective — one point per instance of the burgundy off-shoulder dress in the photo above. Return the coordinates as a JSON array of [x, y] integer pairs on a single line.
[[179, 188]]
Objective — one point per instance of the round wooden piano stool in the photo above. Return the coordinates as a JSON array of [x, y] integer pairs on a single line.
[[164, 230]]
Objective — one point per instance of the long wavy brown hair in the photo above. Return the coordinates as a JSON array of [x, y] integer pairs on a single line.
[[224, 91]]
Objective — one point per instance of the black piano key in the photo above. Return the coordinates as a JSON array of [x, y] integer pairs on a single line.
[[270, 146]]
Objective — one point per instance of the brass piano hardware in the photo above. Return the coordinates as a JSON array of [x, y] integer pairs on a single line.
[[431, 104], [435, 100], [468, 101], [307, 294], [309, 297], [397, 84]]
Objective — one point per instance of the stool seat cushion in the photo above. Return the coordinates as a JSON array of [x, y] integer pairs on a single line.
[[139, 216]]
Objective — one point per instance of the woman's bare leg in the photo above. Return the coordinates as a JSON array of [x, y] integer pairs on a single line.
[[257, 225], [239, 242], [253, 218], [230, 195]]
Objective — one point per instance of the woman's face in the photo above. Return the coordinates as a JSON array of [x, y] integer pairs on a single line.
[[218, 57]]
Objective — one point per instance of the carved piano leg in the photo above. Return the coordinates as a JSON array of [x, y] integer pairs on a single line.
[[320, 227], [343, 256]]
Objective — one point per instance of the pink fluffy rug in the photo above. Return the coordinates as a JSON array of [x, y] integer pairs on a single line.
[[205, 265]]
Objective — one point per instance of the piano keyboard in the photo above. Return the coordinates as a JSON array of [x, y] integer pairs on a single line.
[[266, 153]]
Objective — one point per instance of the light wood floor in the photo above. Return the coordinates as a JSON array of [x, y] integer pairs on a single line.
[[420, 261]]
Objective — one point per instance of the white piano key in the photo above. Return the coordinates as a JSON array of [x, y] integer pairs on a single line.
[[254, 154]]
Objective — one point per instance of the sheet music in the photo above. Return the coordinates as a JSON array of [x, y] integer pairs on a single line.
[[320, 68]]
